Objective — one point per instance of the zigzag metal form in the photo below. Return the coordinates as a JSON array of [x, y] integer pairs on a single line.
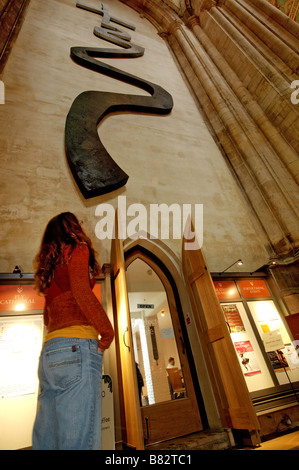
[[93, 168]]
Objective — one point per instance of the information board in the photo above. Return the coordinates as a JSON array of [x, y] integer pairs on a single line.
[[20, 345]]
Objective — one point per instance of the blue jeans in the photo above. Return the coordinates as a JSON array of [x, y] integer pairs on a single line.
[[69, 413]]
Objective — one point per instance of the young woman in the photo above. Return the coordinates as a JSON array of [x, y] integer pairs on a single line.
[[78, 332]]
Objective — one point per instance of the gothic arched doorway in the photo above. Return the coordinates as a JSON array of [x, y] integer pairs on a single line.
[[166, 409]]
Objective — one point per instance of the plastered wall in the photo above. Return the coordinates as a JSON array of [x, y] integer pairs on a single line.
[[169, 159]]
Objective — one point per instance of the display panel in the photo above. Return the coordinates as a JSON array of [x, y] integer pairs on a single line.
[[21, 337], [252, 362], [20, 345], [19, 298], [283, 357], [254, 288], [226, 290], [293, 323]]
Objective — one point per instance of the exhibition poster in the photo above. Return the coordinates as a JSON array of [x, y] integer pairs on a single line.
[[20, 345], [247, 358]]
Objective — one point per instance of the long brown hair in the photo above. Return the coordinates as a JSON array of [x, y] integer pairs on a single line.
[[63, 231]]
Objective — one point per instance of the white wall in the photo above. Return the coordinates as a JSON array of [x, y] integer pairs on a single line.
[[170, 159]]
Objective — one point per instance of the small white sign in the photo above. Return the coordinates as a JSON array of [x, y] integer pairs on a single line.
[[108, 434], [2, 92], [273, 341]]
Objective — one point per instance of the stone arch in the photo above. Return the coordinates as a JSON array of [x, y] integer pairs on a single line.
[[158, 250]]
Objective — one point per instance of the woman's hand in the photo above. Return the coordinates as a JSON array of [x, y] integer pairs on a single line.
[[100, 350]]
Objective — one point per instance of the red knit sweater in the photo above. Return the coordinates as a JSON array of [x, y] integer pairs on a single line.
[[70, 300]]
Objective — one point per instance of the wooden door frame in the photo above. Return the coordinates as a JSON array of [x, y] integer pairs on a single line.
[[138, 251], [230, 389], [131, 424]]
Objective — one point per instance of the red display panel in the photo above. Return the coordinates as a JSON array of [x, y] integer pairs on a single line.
[[226, 290], [254, 289]]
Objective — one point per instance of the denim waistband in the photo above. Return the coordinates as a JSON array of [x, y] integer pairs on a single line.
[[67, 341]]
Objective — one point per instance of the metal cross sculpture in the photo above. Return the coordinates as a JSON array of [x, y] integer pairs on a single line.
[[94, 170]]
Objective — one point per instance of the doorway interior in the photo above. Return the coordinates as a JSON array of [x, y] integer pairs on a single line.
[[156, 354], [169, 395]]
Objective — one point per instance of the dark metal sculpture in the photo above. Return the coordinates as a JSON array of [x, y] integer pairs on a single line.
[[93, 168]]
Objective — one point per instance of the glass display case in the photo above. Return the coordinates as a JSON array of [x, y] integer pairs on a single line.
[[263, 343], [21, 337]]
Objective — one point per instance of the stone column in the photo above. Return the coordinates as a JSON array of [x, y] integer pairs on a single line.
[[246, 148], [240, 59], [286, 277], [283, 150]]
